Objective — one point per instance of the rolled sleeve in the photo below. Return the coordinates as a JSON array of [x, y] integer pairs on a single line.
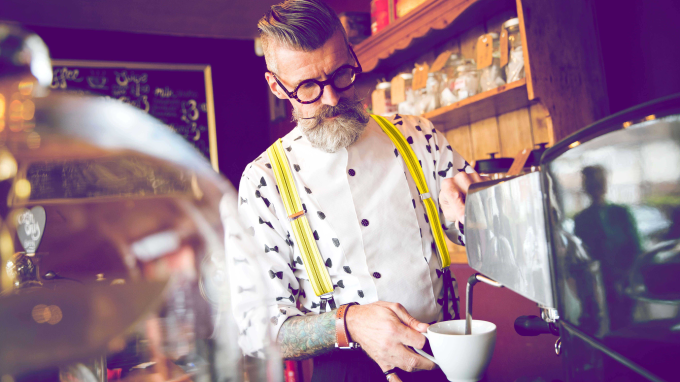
[[258, 202], [449, 164]]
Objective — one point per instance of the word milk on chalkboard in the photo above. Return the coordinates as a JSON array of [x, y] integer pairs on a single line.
[[179, 95]]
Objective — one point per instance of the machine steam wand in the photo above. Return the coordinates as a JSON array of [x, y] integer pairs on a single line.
[[474, 279]]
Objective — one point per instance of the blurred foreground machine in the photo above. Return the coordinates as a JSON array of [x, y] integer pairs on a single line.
[[112, 242], [594, 239]]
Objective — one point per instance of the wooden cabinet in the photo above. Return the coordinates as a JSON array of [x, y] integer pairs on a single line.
[[563, 91]]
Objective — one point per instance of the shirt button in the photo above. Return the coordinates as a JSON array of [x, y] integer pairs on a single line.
[[364, 222], [352, 172], [376, 275]]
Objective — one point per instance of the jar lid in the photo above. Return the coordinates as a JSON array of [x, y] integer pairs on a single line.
[[454, 57], [467, 65], [406, 76], [384, 85], [511, 23], [493, 165], [494, 35]]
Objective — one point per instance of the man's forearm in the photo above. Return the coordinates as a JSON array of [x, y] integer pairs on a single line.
[[303, 337]]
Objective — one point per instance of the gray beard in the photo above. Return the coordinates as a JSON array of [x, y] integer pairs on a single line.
[[333, 135]]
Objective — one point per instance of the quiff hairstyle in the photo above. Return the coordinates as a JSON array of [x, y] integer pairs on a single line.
[[303, 25]]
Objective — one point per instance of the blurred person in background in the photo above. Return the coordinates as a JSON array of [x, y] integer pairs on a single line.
[[610, 235]]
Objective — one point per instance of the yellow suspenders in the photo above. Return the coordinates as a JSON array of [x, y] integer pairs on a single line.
[[304, 238]]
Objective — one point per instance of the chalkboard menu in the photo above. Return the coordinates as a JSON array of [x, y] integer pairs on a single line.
[[179, 95]]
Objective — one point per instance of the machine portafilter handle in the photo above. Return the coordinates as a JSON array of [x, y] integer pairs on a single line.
[[474, 279], [530, 326]]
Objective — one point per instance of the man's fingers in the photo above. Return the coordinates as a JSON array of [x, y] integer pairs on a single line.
[[393, 377], [407, 319], [463, 181], [410, 361]]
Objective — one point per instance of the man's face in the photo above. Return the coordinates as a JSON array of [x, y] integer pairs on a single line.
[[337, 119]]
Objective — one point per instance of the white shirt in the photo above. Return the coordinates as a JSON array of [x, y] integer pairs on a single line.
[[369, 223]]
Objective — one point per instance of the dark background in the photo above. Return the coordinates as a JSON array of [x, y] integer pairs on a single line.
[[640, 49]]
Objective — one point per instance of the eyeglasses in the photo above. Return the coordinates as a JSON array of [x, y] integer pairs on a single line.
[[309, 91]]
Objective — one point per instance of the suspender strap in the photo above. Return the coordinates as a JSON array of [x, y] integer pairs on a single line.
[[311, 257], [417, 174]]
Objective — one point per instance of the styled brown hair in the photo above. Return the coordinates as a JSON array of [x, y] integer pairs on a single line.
[[297, 25]]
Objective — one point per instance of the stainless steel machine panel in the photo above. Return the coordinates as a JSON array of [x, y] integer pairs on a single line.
[[506, 238], [615, 218]]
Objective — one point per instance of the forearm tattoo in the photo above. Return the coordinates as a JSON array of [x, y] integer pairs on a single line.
[[303, 337]]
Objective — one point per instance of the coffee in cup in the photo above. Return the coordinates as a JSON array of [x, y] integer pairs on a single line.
[[463, 358]]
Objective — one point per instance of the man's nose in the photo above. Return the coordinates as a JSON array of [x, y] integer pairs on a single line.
[[330, 96]]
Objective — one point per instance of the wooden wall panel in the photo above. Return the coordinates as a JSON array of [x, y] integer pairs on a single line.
[[565, 62], [468, 41], [452, 45], [459, 138], [457, 253], [541, 124], [495, 23], [515, 132], [485, 138]]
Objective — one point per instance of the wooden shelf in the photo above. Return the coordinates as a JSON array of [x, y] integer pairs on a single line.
[[403, 39], [481, 106]]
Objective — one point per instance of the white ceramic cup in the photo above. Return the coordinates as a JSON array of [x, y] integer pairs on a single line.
[[462, 358]]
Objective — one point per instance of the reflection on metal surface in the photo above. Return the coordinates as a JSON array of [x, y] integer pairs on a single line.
[[110, 177], [615, 237], [506, 236]]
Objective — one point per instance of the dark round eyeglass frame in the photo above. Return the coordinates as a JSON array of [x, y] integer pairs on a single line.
[[322, 84]]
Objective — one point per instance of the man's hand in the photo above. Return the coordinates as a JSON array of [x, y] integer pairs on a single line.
[[453, 193], [383, 330]]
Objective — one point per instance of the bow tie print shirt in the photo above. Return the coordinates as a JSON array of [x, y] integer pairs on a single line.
[[367, 218]]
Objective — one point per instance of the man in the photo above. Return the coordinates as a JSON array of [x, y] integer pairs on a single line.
[[362, 204]]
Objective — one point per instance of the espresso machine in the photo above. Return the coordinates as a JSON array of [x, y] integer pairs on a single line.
[[593, 237]]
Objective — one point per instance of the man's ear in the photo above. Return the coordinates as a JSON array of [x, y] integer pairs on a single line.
[[274, 86]]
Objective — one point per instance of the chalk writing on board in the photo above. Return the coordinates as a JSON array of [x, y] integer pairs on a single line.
[[62, 76], [175, 96]]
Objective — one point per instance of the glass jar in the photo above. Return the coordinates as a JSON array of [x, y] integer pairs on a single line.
[[514, 70], [429, 99], [449, 74], [491, 77], [389, 109], [467, 80], [407, 107]]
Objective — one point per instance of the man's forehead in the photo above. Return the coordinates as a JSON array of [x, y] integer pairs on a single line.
[[296, 65]]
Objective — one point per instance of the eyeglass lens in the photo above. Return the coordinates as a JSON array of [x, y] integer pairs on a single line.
[[310, 91]]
